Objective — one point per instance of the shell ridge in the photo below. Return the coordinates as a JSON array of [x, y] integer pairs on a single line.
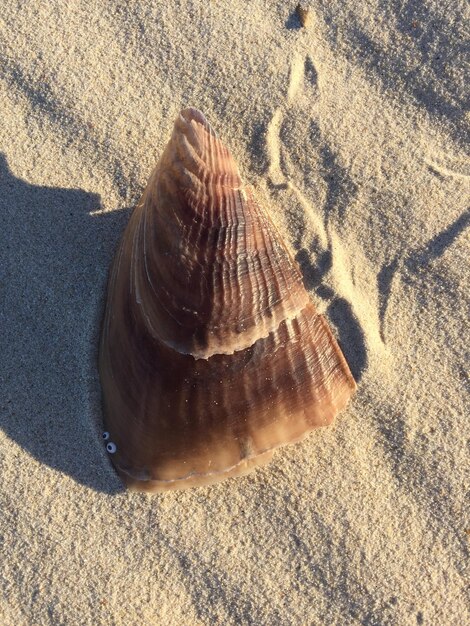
[[271, 302], [138, 245], [318, 368], [269, 255], [233, 244], [271, 248], [242, 299], [265, 303], [226, 260], [218, 351], [338, 353], [199, 230], [218, 269], [270, 226], [197, 117], [191, 160], [147, 314], [253, 262]]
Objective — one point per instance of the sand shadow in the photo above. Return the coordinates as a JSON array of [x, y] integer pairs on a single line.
[[54, 259], [293, 21], [432, 38], [313, 272], [416, 262], [350, 334], [436, 247], [384, 287]]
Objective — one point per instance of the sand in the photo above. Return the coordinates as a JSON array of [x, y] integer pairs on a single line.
[[353, 130]]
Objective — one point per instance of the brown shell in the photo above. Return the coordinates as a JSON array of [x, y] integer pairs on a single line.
[[212, 354]]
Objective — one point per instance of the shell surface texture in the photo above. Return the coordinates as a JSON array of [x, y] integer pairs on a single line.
[[212, 354]]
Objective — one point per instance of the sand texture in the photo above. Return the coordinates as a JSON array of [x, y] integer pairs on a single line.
[[354, 132]]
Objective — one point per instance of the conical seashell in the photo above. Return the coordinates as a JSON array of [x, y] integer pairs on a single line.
[[212, 354]]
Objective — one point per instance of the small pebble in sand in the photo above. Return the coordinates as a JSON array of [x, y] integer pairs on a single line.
[[304, 14]]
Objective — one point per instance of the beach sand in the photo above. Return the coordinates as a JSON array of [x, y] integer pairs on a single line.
[[353, 130]]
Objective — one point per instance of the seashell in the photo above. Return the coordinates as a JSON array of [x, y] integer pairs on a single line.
[[212, 354]]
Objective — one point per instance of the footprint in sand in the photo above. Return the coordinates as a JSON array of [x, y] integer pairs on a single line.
[[302, 92]]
